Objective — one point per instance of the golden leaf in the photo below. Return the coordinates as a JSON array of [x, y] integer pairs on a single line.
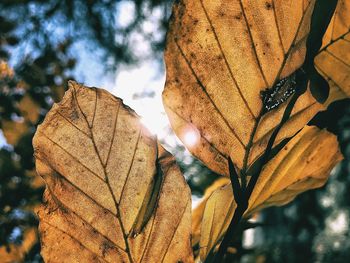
[[333, 60], [113, 194], [219, 56], [197, 213], [304, 163]]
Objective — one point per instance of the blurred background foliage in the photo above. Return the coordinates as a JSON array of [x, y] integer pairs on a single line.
[[42, 43]]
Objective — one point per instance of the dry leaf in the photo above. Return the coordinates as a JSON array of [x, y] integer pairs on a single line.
[[113, 194], [333, 60], [197, 213], [304, 163], [219, 56]]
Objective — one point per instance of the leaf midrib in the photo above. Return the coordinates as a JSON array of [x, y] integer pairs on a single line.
[[118, 215]]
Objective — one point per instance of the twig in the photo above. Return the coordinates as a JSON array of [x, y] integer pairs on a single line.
[[242, 194]]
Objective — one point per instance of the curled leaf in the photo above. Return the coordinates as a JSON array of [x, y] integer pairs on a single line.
[[197, 213], [304, 163], [113, 194]]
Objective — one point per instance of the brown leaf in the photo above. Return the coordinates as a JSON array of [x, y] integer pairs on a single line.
[[197, 213], [101, 168], [219, 56], [333, 60], [304, 163]]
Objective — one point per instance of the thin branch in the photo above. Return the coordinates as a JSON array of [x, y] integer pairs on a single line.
[[244, 194], [286, 115]]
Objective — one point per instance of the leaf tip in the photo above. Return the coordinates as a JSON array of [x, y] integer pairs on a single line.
[[72, 84]]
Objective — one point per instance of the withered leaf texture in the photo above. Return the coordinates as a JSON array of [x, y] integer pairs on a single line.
[[113, 194], [304, 163], [219, 56], [333, 60], [197, 213]]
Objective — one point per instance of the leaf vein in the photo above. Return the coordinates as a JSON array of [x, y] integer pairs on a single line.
[[82, 219], [338, 58], [72, 237], [114, 130], [294, 114], [277, 26], [226, 61], [252, 44], [293, 44], [131, 164], [70, 122], [212, 145], [118, 215], [95, 108], [174, 232], [206, 93], [72, 156]]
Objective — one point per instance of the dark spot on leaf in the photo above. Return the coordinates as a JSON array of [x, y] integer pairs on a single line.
[[221, 13], [238, 17], [106, 246], [268, 5], [74, 115]]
